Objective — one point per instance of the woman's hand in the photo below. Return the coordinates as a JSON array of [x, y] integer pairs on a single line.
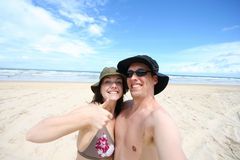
[[98, 116]]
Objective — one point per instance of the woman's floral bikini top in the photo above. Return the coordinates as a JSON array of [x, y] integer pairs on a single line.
[[101, 146]]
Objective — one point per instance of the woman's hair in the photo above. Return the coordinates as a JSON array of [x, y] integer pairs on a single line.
[[98, 98]]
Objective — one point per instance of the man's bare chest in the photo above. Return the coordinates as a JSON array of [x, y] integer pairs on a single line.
[[133, 130]]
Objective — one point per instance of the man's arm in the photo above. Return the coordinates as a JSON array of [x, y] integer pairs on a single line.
[[166, 137]]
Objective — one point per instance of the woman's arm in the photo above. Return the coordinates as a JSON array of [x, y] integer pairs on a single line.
[[53, 128]]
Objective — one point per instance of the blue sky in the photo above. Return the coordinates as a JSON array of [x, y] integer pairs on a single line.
[[185, 37]]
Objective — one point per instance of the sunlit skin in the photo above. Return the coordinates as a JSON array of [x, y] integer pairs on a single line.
[[86, 119], [144, 130], [111, 88], [141, 87]]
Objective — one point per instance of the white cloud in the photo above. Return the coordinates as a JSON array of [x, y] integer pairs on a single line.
[[2, 57], [75, 5], [104, 42], [112, 21], [28, 29], [218, 59], [25, 57], [231, 28], [22, 20], [55, 44], [103, 18], [213, 49], [78, 19], [95, 30], [83, 14]]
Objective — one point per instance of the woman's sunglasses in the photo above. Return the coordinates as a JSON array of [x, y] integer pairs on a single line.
[[139, 73]]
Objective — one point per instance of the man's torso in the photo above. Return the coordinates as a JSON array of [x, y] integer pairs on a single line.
[[134, 135]]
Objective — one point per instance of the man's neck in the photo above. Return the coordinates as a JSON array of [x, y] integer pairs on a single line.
[[142, 102]]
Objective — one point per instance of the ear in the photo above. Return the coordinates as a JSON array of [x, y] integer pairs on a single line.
[[155, 79]]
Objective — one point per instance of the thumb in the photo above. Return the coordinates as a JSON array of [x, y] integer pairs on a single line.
[[107, 104]]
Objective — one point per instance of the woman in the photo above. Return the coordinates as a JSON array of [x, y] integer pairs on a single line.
[[95, 121]]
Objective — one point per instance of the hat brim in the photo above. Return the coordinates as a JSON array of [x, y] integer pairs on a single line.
[[124, 64], [162, 83], [95, 86], [162, 78]]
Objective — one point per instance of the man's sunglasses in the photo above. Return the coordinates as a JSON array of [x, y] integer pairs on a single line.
[[139, 73]]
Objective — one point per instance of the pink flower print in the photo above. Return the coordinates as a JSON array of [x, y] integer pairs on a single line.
[[102, 146]]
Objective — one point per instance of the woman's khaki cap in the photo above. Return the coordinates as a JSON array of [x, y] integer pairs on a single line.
[[107, 71]]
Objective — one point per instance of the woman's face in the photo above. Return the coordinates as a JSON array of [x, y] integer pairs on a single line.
[[112, 87]]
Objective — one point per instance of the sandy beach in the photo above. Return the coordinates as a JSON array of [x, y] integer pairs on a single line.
[[208, 118]]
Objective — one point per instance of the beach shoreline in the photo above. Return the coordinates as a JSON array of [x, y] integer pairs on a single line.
[[208, 117], [41, 75]]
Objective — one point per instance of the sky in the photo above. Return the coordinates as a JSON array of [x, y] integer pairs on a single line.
[[185, 37]]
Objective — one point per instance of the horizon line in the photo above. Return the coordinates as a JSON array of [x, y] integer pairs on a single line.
[[170, 74]]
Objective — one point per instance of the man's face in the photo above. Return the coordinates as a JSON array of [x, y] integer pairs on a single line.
[[141, 83]]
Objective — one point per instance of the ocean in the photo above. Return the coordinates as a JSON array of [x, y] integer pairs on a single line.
[[92, 76]]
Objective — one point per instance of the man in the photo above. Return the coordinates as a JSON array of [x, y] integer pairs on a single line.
[[144, 130]]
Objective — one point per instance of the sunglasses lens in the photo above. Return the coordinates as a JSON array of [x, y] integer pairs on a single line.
[[141, 73], [129, 74]]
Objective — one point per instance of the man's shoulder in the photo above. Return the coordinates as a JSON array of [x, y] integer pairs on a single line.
[[158, 114], [159, 111]]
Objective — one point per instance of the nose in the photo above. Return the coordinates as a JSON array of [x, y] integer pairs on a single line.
[[113, 85], [132, 79], [134, 76]]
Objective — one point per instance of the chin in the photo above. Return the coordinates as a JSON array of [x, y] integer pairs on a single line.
[[114, 98], [135, 94]]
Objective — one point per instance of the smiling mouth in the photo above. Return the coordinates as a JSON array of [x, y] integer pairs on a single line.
[[113, 92], [135, 86]]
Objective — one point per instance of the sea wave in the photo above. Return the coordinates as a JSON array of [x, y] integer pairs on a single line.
[[92, 76]]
